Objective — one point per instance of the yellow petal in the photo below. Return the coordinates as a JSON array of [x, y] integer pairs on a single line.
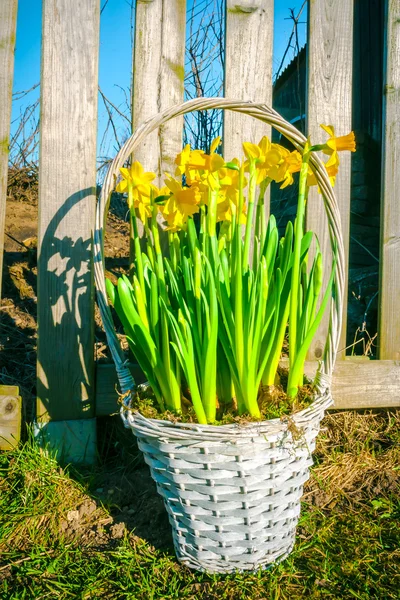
[[148, 177], [216, 162], [330, 130], [333, 160], [214, 144], [125, 173], [251, 151], [136, 169], [264, 145], [122, 186]]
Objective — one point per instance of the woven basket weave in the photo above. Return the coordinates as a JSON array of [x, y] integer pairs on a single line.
[[232, 492]]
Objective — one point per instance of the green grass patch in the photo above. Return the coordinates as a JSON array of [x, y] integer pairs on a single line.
[[348, 543]]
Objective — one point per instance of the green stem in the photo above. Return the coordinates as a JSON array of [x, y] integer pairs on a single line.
[[136, 241], [250, 215], [295, 281]]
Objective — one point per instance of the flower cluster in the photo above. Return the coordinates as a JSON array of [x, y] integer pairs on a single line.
[[207, 174], [212, 297]]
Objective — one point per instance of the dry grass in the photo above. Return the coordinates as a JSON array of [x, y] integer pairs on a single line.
[[357, 458], [104, 533]]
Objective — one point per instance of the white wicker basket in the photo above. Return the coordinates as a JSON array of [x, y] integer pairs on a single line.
[[232, 492]]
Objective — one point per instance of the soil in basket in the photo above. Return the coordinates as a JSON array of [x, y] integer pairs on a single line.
[[273, 402]]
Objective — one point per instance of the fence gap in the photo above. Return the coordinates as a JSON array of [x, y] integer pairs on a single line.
[[329, 102], [8, 27], [67, 180], [389, 316]]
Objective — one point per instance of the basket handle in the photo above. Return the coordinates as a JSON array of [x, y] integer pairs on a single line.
[[263, 113]]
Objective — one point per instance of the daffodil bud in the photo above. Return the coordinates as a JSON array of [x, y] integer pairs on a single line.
[[318, 274]]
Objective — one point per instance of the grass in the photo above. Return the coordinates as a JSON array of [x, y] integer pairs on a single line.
[[348, 543]]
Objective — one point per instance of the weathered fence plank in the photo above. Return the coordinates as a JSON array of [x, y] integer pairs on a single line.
[[389, 321], [358, 383], [248, 68], [330, 59], [8, 26], [67, 179], [158, 76]]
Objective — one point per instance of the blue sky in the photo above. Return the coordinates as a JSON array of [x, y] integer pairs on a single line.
[[115, 47]]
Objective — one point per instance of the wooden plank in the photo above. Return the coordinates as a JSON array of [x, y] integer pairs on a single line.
[[248, 69], [357, 384], [10, 417], [329, 102], [71, 441], [389, 321], [8, 26], [67, 179], [158, 78]]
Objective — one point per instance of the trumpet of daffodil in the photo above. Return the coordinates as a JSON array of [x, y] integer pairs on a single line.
[[137, 183], [337, 144], [182, 203]]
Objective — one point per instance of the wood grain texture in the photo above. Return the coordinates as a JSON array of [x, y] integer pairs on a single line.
[[357, 383], [71, 441], [8, 26], [67, 179], [248, 69], [329, 102], [389, 321], [158, 78], [10, 416]]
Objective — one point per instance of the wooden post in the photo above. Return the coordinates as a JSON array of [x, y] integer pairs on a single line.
[[10, 416], [158, 78], [248, 69], [8, 26], [330, 60], [67, 179], [389, 317]]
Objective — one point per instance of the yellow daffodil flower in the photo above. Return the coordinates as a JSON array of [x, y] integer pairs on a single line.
[[200, 167], [182, 203], [182, 160], [337, 144], [139, 182], [332, 172], [273, 161], [283, 171]]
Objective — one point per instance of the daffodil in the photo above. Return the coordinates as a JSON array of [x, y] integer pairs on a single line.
[[182, 160], [201, 167], [283, 172], [332, 172], [337, 144], [272, 161], [137, 183], [182, 203]]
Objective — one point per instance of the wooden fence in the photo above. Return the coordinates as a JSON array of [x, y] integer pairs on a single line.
[[71, 390]]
